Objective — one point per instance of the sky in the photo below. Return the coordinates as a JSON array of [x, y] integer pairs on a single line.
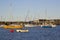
[[21, 10]]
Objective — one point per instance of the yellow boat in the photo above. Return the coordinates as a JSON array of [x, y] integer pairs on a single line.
[[13, 26]]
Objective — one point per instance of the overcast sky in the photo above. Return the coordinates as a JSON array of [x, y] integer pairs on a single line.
[[17, 10]]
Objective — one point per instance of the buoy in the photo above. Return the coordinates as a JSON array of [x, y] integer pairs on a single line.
[[11, 30]]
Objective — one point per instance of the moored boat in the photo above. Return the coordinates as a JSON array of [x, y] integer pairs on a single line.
[[13, 26], [30, 25], [48, 26], [22, 30]]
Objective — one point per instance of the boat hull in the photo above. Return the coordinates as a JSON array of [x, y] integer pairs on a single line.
[[12, 27], [46, 26]]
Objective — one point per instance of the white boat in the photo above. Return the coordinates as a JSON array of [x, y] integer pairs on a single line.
[[22, 30], [53, 25], [2, 25], [30, 25]]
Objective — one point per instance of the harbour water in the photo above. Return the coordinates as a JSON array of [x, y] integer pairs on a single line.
[[35, 33]]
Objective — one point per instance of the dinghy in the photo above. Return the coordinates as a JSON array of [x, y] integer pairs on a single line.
[[22, 30]]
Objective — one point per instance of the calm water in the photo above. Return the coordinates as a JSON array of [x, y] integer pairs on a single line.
[[36, 33]]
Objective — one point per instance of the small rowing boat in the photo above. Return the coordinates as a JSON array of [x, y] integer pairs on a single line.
[[22, 30]]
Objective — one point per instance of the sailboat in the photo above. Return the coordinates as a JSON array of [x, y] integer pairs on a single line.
[[46, 25], [28, 24], [15, 26]]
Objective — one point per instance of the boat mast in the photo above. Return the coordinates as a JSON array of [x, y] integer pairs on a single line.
[[26, 15], [46, 13], [0, 18], [10, 11], [45, 16]]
